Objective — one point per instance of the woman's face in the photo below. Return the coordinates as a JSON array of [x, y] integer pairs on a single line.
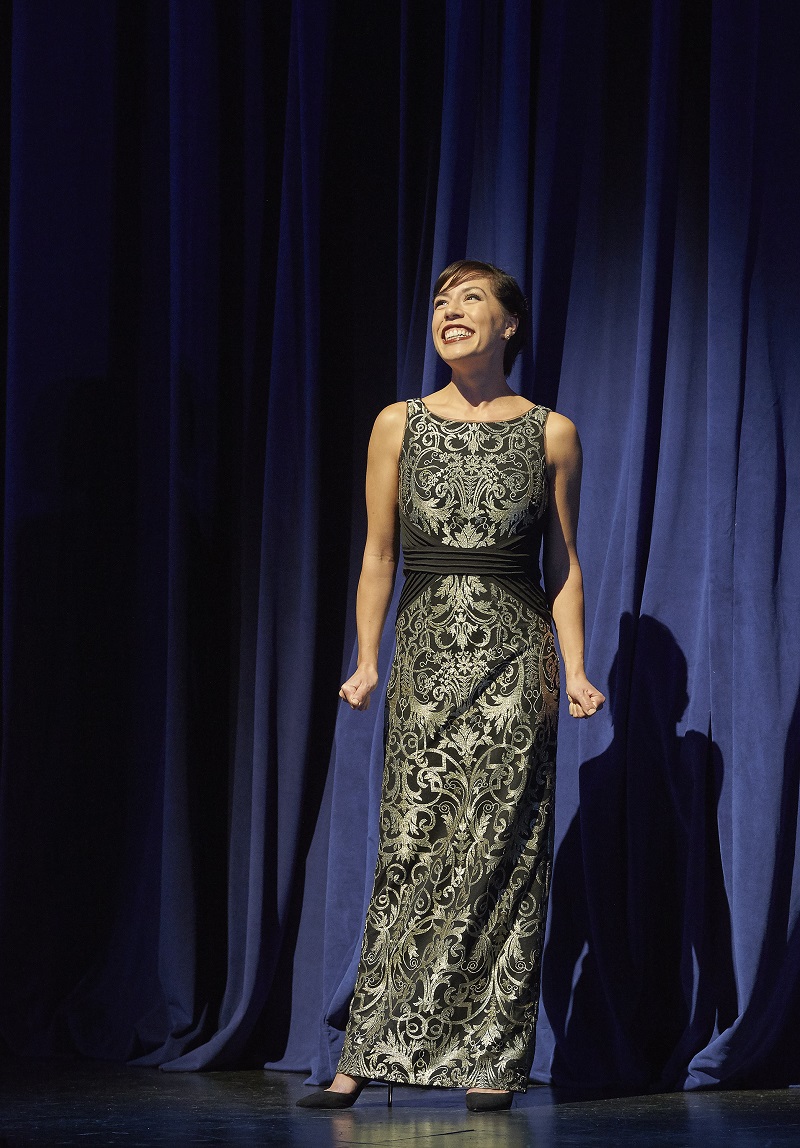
[[468, 320]]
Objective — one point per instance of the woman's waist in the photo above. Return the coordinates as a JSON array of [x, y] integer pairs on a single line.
[[449, 560], [512, 554]]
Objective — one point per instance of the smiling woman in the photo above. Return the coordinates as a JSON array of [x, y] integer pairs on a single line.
[[448, 983], [474, 282]]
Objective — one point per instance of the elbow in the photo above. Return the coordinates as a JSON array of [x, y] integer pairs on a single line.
[[557, 575], [379, 561]]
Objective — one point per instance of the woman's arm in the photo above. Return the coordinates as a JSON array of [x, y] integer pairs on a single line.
[[380, 552], [563, 581]]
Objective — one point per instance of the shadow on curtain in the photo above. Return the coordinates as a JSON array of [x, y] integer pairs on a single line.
[[221, 226]]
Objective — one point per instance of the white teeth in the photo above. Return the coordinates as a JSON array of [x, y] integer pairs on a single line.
[[456, 333]]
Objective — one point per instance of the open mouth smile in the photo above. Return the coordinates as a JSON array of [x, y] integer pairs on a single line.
[[456, 334]]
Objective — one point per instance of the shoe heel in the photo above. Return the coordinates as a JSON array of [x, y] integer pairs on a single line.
[[389, 1095]]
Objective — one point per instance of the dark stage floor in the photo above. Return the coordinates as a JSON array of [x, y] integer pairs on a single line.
[[90, 1103]]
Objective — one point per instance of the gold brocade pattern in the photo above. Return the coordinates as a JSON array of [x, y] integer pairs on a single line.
[[448, 983]]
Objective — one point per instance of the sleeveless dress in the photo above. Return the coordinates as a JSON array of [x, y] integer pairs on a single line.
[[447, 989]]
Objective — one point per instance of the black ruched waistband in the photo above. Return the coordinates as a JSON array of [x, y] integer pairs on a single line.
[[516, 554], [513, 561], [459, 560]]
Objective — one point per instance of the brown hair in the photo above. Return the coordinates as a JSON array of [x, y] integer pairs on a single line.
[[506, 291]]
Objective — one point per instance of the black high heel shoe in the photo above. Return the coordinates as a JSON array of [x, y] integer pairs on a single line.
[[327, 1099], [489, 1101]]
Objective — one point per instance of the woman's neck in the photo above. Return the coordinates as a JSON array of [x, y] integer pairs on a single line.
[[476, 387]]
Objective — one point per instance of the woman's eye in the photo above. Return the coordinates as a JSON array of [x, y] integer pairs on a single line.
[[472, 295]]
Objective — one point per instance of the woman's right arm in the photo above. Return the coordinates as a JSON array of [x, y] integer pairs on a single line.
[[379, 566]]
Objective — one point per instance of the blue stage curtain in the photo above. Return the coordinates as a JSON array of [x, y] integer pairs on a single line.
[[221, 223]]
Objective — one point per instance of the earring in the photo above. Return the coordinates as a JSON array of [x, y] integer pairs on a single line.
[[508, 335]]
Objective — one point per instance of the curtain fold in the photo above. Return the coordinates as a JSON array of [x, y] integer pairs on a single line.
[[224, 221]]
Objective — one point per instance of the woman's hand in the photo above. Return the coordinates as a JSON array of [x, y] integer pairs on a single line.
[[356, 690], [584, 698]]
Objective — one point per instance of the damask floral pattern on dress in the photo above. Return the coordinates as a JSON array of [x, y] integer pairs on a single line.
[[448, 982]]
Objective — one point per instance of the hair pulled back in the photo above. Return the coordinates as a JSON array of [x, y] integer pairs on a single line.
[[506, 291]]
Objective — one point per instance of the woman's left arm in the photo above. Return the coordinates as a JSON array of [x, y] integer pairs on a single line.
[[563, 581]]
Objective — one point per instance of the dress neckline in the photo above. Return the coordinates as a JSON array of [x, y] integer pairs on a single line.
[[477, 422]]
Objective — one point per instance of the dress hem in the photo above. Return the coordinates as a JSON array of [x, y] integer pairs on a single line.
[[356, 1069]]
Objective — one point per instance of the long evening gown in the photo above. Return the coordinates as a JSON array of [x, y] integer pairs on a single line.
[[448, 982]]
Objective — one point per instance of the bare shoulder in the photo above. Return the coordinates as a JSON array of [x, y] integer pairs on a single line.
[[561, 437], [388, 430], [391, 417]]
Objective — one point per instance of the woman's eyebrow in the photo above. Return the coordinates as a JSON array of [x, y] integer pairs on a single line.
[[463, 286]]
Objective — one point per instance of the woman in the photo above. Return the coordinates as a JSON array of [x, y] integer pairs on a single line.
[[448, 983]]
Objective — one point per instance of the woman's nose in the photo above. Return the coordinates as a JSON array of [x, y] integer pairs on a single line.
[[452, 310]]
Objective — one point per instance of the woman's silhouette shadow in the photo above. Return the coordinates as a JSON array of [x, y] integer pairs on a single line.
[[637, 972]]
